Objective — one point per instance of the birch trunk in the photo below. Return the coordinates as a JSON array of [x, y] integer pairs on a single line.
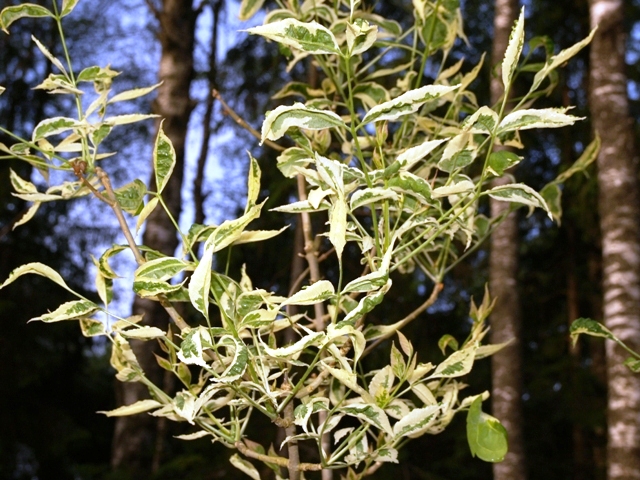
[[133, 438], [619, 223], [506, 365]]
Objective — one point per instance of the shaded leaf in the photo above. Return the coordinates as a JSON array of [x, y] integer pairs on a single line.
[[486, 436]]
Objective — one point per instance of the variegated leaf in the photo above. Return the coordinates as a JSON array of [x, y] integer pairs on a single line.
[[140, 406], [417, 422], [369, 413], [318, 292], [513, 51], [537, 118], [284, 117], [69, 311], [309, 37]]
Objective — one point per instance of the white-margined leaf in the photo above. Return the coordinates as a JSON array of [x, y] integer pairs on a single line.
[[417, 422], [240, 463], [407, 103], [129, 118], [67, 7], [370, 94], [312, 338], [367, 196], [30, 213], [587, 326], [250, 236], [248, 9], [231, 230], [338, 224], [560, 59], [302, 206], [146, 211], [513, 51], [457, 364], [9, 15], [484, 120], [53, 126], [48, 54], [410, 184], [309, 37], [381, 384], [144, 332], [342, 330], [69, 311], [458, 153], [253, 184], [370, 413], [360, 36], [151, 287], [191, 348], [365, 305], [368, 282], [161, 268], [279, 120], [37, 269], [414, 154], [537, 118], [318, 292], [90, 327], [589, 155], [200, 282], [140, 406], [184, 404], [238, 364], [133, 93], [386, 454], [21, 185], [164, 159], [454, 188], [518, 193]]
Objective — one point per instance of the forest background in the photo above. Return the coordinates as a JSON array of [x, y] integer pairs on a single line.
[[53, 380]]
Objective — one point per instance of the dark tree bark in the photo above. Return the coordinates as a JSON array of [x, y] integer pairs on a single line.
[[133, 440], [619, 222], [506, 365]]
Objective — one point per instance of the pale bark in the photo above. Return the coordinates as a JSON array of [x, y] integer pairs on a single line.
[[506, 365], [133, 436], [619, 222]]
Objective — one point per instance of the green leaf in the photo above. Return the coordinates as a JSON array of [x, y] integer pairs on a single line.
[[241, 464], [407, 103], [486, 436], [456, 155], [279, 120], [309, 37], [140, 406], [553, 197], [410, 184], [513, 51], [633, 364], [91, 327], [164, 159], [9, 15], [253, 187], [417, 422], [316, 293], [536, 118], [502, 160], [447, 341], [587, 326], [69, 311], [200, 282], [131, 196]]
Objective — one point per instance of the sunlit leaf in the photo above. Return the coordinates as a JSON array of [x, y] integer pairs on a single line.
[[502, 160], [457, 364], [164, 159], [513, 51], [417, 422], [161, 268], [518, 193], [144, 332], [537, 118], [248, 8], [69, 311], [191, 348], [318, 292], [67, 7], [133, 93]]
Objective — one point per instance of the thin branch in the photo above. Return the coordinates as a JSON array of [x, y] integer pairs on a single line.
[[409, 318], [280, 461], [293, 465], [240, 121]]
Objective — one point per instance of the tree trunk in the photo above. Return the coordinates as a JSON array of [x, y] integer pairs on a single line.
[[619, 223], [506, 365], [133, 438]]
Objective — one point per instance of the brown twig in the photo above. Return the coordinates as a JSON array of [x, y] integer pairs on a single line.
[[280, 461], [240, 121], [409, 318]]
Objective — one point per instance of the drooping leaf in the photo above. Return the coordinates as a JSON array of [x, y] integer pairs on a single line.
[[45, 51], [587, 326], [253, 186], [312, 338], [240, 463], [38, 269], [9, 15], [589, 155], [486, 436], [308, 37], [284, 117], [239, 363], [318, 292], [69, 311], [518, 193], [458, 153], [407, 103], [140, 406], [200, 282]]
